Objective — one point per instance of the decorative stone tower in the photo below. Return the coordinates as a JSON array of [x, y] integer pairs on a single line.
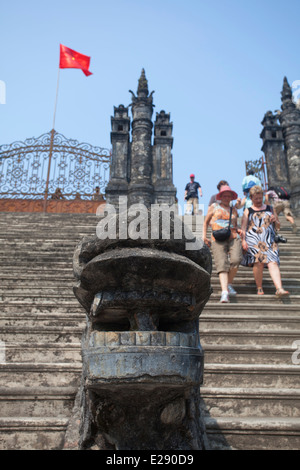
[[119, 170], [273, 148], [162, 177], [281, 145], [140, 170], [290, 121], [140, 186]]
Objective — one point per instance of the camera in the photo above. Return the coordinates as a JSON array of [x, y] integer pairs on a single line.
[[280, 239]]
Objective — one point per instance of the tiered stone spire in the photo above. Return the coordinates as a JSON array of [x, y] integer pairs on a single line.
[[140, 170], [273, 148], [143, 85], [290, 121], [140, 187], [286, 94]]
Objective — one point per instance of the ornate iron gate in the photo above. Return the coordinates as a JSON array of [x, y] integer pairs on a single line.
[[36, 168], [259, 168]]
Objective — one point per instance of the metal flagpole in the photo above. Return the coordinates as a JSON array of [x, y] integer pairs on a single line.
[[56, 99], [51, 146]]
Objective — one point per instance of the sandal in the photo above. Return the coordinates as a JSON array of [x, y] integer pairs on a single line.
[[282, 293], [260, 291]]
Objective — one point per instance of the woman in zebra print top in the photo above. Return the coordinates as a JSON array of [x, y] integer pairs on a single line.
[[259, 241]]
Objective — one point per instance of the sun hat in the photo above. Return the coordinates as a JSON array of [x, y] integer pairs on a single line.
[[192, 175], [227, 189]]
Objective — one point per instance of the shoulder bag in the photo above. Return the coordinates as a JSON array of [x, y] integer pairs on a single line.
[[224, 233]]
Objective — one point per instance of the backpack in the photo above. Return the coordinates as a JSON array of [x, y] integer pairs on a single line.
[[281, 192], [249, 186]]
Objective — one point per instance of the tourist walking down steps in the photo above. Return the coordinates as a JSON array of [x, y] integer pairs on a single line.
[[192, 189], [278, 197], [227, 253], [258, 234]]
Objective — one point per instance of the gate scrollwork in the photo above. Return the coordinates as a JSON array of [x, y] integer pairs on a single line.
[[258, 167], [75, 168]]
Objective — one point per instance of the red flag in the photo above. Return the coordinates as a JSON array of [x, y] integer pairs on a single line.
[[70, 59]]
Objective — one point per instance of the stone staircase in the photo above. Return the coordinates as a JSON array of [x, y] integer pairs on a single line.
[[251, 390], [41, 327]]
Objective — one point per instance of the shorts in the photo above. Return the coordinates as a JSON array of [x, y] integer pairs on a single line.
[[283, 206], [192, 206], [227, 254]]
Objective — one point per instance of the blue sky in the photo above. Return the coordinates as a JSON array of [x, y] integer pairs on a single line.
[[216, 66]]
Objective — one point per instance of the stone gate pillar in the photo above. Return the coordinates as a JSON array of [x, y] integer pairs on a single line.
[[273, 148], [140, 187], [290, 122]]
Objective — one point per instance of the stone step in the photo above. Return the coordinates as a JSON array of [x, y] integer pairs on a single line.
[[42, 320], [42, 239], [251, 375], [48, 235], [33, 271], [65, 254], [263, 299], [54, 334], [253, 433], [16, 290], [32, 433], [73, 307], [222, 354], [28, 300], [45, 247], [257, 322], [41, 352], [208, 322], [259, 337], [13, 290], [248, 278], [42, 225], [245, 402], [71, 352], [41, 222], [249, 353], [65, 307], [243, 285], [45, 230], [52, 270], [276, 306], [39, 262], [9, 277], [52, 402], [44, 307], [40, 374], [33, 246], [250, 289], [31, 300]]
